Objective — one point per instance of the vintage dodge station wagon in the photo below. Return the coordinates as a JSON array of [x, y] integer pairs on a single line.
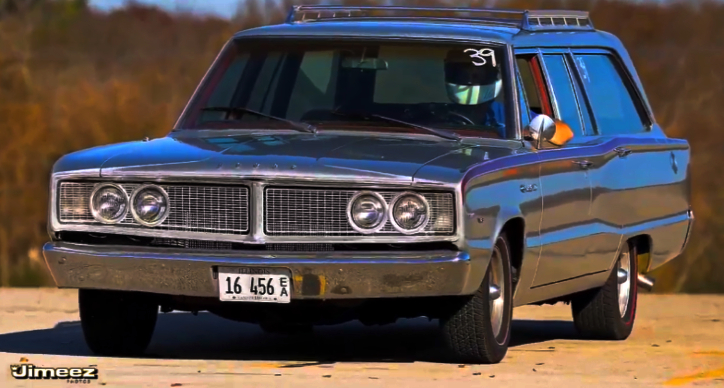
[[376, 163]]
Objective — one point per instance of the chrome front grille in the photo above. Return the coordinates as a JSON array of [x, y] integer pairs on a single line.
[[224, 212], [211, 209], [322, 212]]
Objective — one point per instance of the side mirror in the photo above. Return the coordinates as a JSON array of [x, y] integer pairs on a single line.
[[543, 128]]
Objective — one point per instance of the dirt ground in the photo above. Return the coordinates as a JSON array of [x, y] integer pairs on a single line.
[[678, 340]]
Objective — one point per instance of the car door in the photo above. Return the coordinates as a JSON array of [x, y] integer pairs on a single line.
[[604, 166], [636, 176], [565, 233]]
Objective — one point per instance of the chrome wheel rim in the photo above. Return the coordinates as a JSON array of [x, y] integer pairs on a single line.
[[496, 291], [623, 277]]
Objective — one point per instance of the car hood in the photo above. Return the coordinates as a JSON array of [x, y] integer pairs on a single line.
[[299, 156]]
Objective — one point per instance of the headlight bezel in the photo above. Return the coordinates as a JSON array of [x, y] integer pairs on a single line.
[[166, 198], [94, 212], [393, 204], [381, 223]]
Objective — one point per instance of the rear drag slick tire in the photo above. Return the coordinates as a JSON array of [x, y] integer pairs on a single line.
[[609, 312]]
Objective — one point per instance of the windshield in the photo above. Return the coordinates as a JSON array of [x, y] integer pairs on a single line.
[[355, 85]]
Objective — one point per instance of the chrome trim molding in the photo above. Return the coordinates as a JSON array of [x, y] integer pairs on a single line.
[[230, 175], [333, 275], [257, 214]]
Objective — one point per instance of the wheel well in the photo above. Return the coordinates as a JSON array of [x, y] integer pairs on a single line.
[[643, 251], [515, 232]]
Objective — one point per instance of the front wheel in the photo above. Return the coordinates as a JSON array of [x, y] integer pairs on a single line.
[[116, 323], [477, 330], [609, 312]]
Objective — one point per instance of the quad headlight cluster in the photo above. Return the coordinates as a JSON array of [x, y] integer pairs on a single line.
[[408, 212], [110, 203]]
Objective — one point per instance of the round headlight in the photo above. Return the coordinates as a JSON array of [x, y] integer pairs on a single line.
[[109, 203], [410, 213], [149, 205], [367, 212]]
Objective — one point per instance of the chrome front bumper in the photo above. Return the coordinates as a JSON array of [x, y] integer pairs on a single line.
[[322, 275]]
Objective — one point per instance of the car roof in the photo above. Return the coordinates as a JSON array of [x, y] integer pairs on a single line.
[[386, 29], [518, 28], [436, 30]]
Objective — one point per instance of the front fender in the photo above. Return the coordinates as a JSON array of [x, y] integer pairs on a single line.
[[481, 249], [491, 200]]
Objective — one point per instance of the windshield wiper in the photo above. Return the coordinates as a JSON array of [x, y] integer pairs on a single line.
[[300, 126], [438, 132]]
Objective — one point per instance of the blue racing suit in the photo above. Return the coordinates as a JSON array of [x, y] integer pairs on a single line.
[[494, 115]]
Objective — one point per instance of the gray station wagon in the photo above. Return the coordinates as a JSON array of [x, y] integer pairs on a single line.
[[377, 163]]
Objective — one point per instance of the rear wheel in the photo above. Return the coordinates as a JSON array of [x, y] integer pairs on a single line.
[[116, 323], [477, 330], [609, 312]]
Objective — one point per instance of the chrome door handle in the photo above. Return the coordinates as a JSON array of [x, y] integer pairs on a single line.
[[583, 163], [622, 151], [528, 189]]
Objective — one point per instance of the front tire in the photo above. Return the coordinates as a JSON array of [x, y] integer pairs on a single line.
[[608, 313], [116, 323], [478, 328]]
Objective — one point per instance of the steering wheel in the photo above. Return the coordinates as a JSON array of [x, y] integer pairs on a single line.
[[436, 113], [463, 119]]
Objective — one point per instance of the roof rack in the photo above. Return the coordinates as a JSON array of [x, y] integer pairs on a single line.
[[530, 20]]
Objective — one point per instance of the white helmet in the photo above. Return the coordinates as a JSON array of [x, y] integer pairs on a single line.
[[468, 82]]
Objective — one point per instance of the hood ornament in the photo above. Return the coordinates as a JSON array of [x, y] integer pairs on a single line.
[[486, 157]]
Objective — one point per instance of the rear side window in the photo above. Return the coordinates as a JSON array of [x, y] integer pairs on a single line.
[[616, 109], [560, 80]]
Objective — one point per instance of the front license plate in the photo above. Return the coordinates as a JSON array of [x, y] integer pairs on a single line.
[[254, 285]]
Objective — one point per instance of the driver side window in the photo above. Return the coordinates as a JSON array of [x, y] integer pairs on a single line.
[[534, 85], [550, 90]]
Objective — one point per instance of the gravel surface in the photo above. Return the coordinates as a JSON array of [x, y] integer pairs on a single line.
[[678, 340]]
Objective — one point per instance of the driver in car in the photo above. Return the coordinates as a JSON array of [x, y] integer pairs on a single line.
[[473, 84]]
